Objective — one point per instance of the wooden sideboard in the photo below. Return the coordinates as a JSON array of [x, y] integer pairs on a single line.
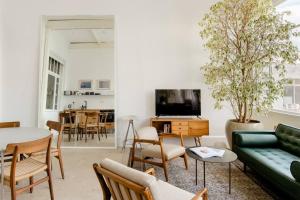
[[193, 127]]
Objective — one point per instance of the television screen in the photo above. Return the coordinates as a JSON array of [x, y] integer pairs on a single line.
[[185, 102]]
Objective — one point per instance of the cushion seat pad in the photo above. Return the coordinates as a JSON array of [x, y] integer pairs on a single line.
[[170, 151]]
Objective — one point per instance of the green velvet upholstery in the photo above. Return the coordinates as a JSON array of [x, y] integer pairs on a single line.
[[250, 140], [289, 138], [295, 170], [273, 155]]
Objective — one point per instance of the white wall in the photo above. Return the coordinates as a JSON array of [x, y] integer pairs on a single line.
[[89, 64], [58, 49], [158, 46], [1, 52]]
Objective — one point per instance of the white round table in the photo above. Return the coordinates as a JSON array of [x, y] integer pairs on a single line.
[[18, 135]]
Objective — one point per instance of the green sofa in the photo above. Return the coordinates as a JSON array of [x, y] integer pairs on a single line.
[[273, 155]]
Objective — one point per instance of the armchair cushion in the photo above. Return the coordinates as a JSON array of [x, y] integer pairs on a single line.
[[170, 151], [127, 172], [168, 191], [148, 133]]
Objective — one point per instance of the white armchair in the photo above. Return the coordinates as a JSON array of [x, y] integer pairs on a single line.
[[124, 183], [152, 146]]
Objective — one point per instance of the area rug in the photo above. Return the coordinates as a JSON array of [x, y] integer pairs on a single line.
[[243, 187]]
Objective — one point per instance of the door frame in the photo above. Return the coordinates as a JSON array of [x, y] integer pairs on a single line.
[[49, 23]]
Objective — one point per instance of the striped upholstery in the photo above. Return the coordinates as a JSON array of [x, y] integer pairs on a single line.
[[25, 169]]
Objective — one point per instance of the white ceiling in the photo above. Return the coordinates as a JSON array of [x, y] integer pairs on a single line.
[[87, 35]]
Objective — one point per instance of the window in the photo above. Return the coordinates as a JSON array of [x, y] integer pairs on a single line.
[[291, 98], [53, 84]]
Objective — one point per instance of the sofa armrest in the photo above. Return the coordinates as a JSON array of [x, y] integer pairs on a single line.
[[295, 170], [254, 139]]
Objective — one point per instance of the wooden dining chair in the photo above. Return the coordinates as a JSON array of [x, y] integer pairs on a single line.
[[14, 124], [55, 150], [123, 183], [152, 146], [91, 125], [28, 167], [67, 119], [10, 124], [102, 124]]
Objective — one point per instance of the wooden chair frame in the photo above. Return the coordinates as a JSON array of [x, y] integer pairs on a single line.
[[40, 145], [86, 129], [14, 124], [56, 152], [105, 175], [102, 124], [164, 162], [69, 127]]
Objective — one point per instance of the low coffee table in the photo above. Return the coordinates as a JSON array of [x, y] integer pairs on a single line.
[[228, 157]]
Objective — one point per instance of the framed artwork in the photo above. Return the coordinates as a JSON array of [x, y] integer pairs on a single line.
[[103, 84], [85, 84]]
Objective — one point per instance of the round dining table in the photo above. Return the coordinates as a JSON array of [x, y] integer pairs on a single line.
[[17, 135]]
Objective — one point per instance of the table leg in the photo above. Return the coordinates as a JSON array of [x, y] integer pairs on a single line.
[[2, 176], [196, 171], [204, 174], [229, 178]]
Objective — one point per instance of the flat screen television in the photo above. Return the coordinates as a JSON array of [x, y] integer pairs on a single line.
[[184, 102]]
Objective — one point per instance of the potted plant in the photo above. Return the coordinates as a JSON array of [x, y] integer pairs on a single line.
[[249, 44]]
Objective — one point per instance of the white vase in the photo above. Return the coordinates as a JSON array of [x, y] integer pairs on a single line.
[[232, 125]]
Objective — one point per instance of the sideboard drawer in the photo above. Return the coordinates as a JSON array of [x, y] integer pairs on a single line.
[[180, 123], [180, 128], [198, 125]]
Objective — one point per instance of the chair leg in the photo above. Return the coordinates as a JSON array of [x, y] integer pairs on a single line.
[[59, 157], [98, 134], [31, 182], [165, 170], [105, 132], [185, 161], [132, 154], [85, 132], [13, 191], [50, 184]]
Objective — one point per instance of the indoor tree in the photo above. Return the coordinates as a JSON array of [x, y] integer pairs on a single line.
[[249, 44]]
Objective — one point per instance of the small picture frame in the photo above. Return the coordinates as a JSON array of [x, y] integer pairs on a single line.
[[103, 84], [85, 84]]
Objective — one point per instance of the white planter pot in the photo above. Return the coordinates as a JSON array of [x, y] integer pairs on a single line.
[[232, 125]]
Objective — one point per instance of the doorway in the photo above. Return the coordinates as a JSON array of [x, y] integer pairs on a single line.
[[77, 79]]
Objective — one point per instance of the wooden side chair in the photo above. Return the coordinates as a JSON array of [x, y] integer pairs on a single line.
[[91, 124], [28, 167], [10, 124], [124, 183], [67, 119], [152, 146], [102, 124], [55, 150], [14, 124]]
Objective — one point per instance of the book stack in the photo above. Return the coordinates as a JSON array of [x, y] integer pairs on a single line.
[[167, 128]]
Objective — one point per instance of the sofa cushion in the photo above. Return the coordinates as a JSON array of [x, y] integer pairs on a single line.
[[295, 170], [288, 138], [170, 151], [276, 159], [255, 140]]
